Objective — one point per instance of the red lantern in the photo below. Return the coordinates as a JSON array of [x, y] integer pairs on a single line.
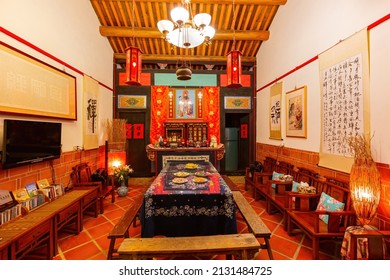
[[133, 66], [234, 69]]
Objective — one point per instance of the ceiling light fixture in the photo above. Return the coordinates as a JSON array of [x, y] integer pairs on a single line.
[[187, 31]]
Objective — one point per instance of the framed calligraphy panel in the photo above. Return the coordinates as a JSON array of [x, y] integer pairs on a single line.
[[344, 80], [275, 112], [296, 113], [29, 86]]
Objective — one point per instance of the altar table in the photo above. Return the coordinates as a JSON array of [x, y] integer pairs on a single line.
[[190, 208]]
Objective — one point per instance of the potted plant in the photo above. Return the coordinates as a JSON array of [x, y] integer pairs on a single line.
[[121, 177]]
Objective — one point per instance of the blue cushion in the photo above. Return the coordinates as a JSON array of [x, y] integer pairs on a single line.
[[328, 203], [275, 175], [295, 186]]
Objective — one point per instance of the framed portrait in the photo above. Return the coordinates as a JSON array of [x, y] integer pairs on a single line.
[[237, 102], [296, 115], [132, 101], [185, 104]]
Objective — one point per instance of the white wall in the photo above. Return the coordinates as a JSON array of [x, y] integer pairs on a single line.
[[68, 30], [303, 29]]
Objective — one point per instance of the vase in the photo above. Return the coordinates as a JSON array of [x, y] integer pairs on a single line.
[[122, 189]]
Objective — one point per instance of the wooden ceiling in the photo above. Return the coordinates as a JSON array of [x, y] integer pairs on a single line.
[[125, 24]]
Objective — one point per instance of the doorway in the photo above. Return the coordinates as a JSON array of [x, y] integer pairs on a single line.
[[137, 140], [236, 141]]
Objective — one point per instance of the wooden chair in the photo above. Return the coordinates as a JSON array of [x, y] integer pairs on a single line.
[[81, 178], [260, 179], [263, 179], [302, 216], [277, 197]]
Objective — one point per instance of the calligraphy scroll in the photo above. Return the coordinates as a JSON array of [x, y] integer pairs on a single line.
[[90, 113], [275, 111], [344, 77]]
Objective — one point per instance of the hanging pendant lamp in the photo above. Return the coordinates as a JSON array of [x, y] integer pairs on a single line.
[[133, 66], [133, 60], [234, 69]]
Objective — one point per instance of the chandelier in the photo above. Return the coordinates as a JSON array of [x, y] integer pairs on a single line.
[[187, 31]]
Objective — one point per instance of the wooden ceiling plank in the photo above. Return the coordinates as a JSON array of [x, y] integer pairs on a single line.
[[113, 8], [270, 17], [152, 20], [129, 14], [124, 19], [99, 12], [249, 19], [143, 15], [105, 7], [258, 19]]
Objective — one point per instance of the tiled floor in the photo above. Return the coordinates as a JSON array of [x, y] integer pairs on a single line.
[[92, 242]]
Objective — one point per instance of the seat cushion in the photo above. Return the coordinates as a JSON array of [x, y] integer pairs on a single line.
[[329, 203], [276, 176]]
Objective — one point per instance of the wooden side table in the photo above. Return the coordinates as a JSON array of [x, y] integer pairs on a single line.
[[364, 242]]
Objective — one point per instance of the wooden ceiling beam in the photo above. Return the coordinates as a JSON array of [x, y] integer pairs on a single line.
[[111, 31], [224, 2], [189, 58]]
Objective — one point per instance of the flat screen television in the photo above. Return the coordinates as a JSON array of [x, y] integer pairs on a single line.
[[26, 142]]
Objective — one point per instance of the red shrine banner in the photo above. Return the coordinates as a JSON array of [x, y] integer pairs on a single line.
[[160, 110], [211, 110]]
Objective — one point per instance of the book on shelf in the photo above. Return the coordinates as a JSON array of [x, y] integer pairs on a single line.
[[9, 207], [21, 194], [32, 189], [43, 183], [52, 191], [37, 197], [59, 189]]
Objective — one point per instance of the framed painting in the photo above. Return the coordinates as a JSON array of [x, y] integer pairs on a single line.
[[132, 101], [185, 104], [296, 114], [237, 102], [29, 86]]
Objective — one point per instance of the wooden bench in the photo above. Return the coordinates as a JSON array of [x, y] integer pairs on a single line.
[[255, 225], [232, 186], [241, 246], [302, 216], [121, 229]]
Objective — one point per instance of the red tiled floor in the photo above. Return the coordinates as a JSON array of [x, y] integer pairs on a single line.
[[92, 243], [82, 252]]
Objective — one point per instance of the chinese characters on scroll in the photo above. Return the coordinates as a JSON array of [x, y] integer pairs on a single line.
[[342, 112]]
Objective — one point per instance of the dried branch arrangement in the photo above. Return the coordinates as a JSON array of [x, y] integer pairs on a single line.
[[365, 182], [116, 134]]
